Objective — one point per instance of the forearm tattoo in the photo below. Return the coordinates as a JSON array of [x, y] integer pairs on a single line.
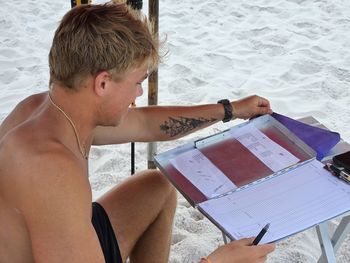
[[183, 125]]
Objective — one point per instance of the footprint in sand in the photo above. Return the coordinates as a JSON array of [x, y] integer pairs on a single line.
[[340, 73], [177, 237], [307, 67], [196, 215], [218, 60]]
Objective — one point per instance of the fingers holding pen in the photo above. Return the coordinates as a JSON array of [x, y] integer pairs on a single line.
[[261, 250], [241, 251]]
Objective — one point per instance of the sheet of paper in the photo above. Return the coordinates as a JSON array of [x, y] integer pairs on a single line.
[[266, 150], [202, 173], [291, 202]]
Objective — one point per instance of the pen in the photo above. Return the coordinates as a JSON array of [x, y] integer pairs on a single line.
[[261, 234], [339, 172]]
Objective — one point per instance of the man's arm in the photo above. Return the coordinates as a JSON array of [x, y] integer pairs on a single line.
[[161, 123], [56, 203]]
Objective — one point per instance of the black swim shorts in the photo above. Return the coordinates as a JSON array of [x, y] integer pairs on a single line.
[[105, 234]]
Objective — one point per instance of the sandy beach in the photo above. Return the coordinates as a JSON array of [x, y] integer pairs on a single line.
[[296, 53]]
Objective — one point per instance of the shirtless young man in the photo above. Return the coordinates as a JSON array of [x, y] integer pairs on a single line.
[[99, 57]]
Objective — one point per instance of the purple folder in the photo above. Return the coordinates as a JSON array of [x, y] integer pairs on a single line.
[[320, 140]]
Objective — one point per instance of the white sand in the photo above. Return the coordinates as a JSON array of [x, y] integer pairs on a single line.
[[296, 53]]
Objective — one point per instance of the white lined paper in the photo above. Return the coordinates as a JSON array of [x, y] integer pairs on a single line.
[[290, 202]]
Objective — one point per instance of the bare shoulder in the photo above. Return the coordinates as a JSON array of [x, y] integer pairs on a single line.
[[50, 189], [42, 169], [31, 101], [21, 112], [33, 160]]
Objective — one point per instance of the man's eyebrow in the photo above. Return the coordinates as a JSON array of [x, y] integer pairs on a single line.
[[145, 76]]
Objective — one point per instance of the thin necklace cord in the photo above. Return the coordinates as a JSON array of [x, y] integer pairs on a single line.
[[82, 149]]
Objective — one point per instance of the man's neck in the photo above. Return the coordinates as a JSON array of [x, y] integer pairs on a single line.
[[78, 110]]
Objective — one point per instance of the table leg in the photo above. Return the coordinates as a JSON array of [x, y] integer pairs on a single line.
[[325, 243]]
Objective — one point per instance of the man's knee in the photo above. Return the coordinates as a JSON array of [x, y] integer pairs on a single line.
[[159, 181]]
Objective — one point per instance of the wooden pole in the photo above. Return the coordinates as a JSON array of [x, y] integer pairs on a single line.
[[153, 15]]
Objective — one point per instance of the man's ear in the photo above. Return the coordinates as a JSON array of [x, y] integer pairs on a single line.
[[101, 82]]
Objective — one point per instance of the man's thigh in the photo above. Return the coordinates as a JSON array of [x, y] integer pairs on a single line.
[[133, 205]]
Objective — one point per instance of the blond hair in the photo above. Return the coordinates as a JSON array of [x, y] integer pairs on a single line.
[[95, 38]]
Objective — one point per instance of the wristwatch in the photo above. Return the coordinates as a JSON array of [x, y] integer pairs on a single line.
[[228, 110]]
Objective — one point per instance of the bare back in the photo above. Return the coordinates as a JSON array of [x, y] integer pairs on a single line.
[[26, 135], [14, 236]]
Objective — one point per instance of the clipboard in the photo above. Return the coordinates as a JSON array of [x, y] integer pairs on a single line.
[[232, 158], [219, 146]]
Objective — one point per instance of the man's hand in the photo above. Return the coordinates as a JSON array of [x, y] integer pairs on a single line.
[[250, 107], [241, 251]]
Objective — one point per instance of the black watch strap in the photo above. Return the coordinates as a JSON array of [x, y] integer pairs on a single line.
[[227, 109]]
